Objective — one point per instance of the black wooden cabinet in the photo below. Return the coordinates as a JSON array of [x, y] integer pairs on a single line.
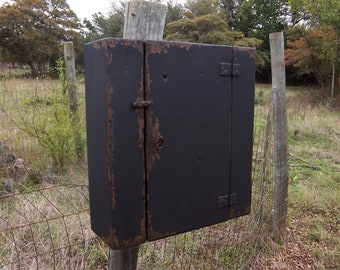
[[169, 130]]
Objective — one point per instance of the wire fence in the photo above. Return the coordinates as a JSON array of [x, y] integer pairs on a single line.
[[46, 225]]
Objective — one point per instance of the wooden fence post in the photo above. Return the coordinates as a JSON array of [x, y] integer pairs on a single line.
[[70, 74], [280, 135], [70, 70], [143, 21], [335, 87]]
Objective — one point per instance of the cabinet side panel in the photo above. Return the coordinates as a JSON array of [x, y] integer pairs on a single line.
[[242, 131]]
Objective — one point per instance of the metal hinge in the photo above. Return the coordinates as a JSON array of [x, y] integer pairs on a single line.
[[226, 201], [230, 69]]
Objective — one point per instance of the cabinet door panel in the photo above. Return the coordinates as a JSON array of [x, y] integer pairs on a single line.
[[188, 136], [115, 139]]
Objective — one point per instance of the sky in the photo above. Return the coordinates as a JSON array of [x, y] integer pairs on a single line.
[[85, 8]]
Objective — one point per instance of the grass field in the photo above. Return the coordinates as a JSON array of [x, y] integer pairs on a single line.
[[314, 189]]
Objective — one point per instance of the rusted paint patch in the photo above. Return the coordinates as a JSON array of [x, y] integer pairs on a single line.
[[114, 243], [110, 142], [114, 42], [96, 45], [138, 239], [111, 239], [109, 43], [152, 126], [153, 153], [140, 111], [154, 47], [249, 50], [234, 214], [252, 54], [155, 134], [140, 120], [152, 234]]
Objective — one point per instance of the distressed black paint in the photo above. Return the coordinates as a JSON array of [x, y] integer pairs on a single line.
[[193, 107], [169, 137], [114, 75]]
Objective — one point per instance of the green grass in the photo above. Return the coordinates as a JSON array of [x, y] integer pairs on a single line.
[[314, 190]]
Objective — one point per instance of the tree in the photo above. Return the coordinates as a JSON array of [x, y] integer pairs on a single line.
[[31, 31], [205, 29], [226, 9], [257, 19], [229, 9], [212, 29], [209, 28], [311, 54], [324, 14], [205, 21], [197, 8], [175, 12], [101, 26], [297, 12]]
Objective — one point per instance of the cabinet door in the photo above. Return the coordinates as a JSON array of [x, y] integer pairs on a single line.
[[188, 139], [115, 139]]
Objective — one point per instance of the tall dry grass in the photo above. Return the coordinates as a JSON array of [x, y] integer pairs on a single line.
[[47, 226]]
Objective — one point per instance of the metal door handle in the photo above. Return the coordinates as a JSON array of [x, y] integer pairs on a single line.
[[142, 104]]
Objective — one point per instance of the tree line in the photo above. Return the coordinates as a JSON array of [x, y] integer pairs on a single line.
[[31, 32]]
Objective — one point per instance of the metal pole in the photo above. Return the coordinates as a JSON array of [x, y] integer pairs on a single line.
[[123, 259]]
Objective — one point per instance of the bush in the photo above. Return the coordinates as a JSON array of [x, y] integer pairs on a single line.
[[47, 117]]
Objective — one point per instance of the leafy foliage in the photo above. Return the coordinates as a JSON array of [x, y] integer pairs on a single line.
[[323, 14], [311, 54], [206, 29], [257, 19], [48, 119], [209, 28], [196, 8], [31, 31], [100, 26], [175, 12]]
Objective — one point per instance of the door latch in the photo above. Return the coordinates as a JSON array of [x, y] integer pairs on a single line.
[[142, 104]]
